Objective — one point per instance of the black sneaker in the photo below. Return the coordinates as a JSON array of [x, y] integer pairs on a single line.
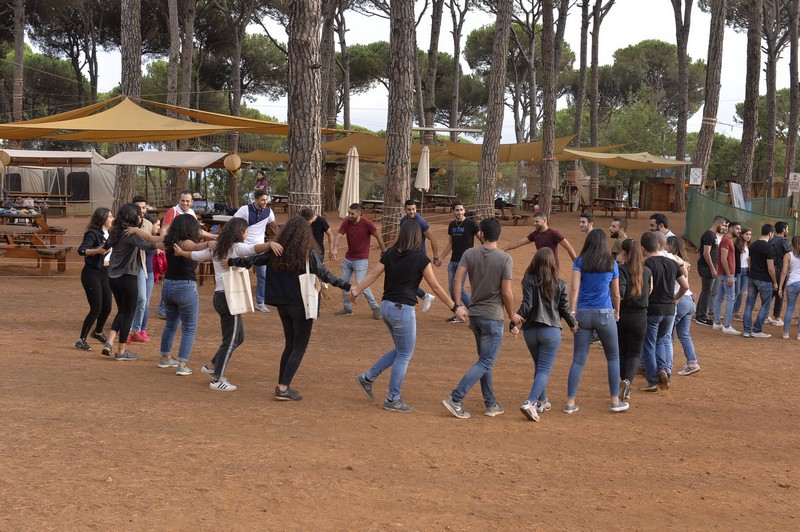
[[83, 345], [289, 395], [99, 336], [650, 388], [702, 320], [454, 320], [397, 406], [366, 386]]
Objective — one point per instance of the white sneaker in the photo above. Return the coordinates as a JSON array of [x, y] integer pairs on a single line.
[[731, 330], [529, 410], [718, 327], [222, 385], [427, 301], [785, 336], [262, 307], [777, 322], [760, 335]]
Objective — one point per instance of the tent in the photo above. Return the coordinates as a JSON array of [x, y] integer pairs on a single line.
[[81, 175]]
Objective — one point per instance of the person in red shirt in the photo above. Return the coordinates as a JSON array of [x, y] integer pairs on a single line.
[[544, 237], [726, 267], [359, 232]]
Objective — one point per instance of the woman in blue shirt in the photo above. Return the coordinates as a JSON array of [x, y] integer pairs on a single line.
[[594, 298]]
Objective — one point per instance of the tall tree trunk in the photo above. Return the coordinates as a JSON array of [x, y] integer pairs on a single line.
[[599, 12], [341, 29], [750, 113], [682, 26], [187, 53], [580, 97], [19, 60], [173, 72], [131, 51], [533, 131], [457, 15], [400, 115], [487, 178], [305, 106], [420, 99], [705, 139], [775, 40], [549, 163], [794, 84], [430, 75], [328, 82], [91, 51]]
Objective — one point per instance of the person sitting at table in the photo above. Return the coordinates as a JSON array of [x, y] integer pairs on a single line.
[[94, 276]]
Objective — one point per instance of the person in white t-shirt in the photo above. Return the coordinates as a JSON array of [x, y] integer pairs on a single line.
[[258, 216], [684, 309]]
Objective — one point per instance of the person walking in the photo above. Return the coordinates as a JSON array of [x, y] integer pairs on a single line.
[[635, 283], [490, 271], [359, 232], [761, 283], [544, 304], [231, 244], [544, 236], [258, 216], [461, 236], [726, 263], [684, 309], [283, 291], [123, 273], [594, 298], [742, 270], [404, 266], [657, 348], [94, 277], [790, 285]]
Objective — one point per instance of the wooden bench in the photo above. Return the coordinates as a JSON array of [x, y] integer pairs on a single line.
[[511, 214], [44, 256], [632, 212]]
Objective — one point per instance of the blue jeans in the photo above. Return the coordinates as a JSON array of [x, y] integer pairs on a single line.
[[401, 321], [488, 337], [140, 318], [543, 343], [141, 300], [741, 284], [261, 283], [755, 289], [728, 293], [600, 320], [683, 322], [657, 346], [359, 268], [181, 304], [791, 293], [451, 274]]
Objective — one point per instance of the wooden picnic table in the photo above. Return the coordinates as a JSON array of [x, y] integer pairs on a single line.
[[25, 241], [556, 202], [439, 199], [372, 204], [608, 205], [280, 199]]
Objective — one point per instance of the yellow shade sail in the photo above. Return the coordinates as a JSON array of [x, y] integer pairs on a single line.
[[628, 161]]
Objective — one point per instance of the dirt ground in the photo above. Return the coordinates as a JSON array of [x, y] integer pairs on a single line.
[[89, 443]]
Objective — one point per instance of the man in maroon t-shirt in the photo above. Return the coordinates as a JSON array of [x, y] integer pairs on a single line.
[[726, 267], [359, 232], [544, 237]]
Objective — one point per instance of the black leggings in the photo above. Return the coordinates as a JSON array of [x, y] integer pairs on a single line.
[[125, 289], [232, 334], [98, 294], [297, 333], [631, 329]]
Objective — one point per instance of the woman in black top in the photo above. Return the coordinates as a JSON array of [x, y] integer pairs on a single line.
[[179, 292], [405, 266], [635, 280], [283, 292], [544, 304], [94, 276], [123, 273]]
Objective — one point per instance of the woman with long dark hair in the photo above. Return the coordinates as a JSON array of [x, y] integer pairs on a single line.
[[790, 284], [544, 304], [94, 276], [229, 245], [635, 281], [179, 292], [684, 310], [283, 292], [594, 299], [123, 273], [405, 266], [742, 246]]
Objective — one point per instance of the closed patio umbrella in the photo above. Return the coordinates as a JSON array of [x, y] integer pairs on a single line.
[[350, 192], [423, 181]]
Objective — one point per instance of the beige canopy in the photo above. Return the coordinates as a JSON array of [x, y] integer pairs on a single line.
[[527, 151], [189, 160], [628, 161]]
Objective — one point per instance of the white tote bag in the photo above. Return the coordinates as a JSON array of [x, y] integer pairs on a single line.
[[237, 290], [309, 288]]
